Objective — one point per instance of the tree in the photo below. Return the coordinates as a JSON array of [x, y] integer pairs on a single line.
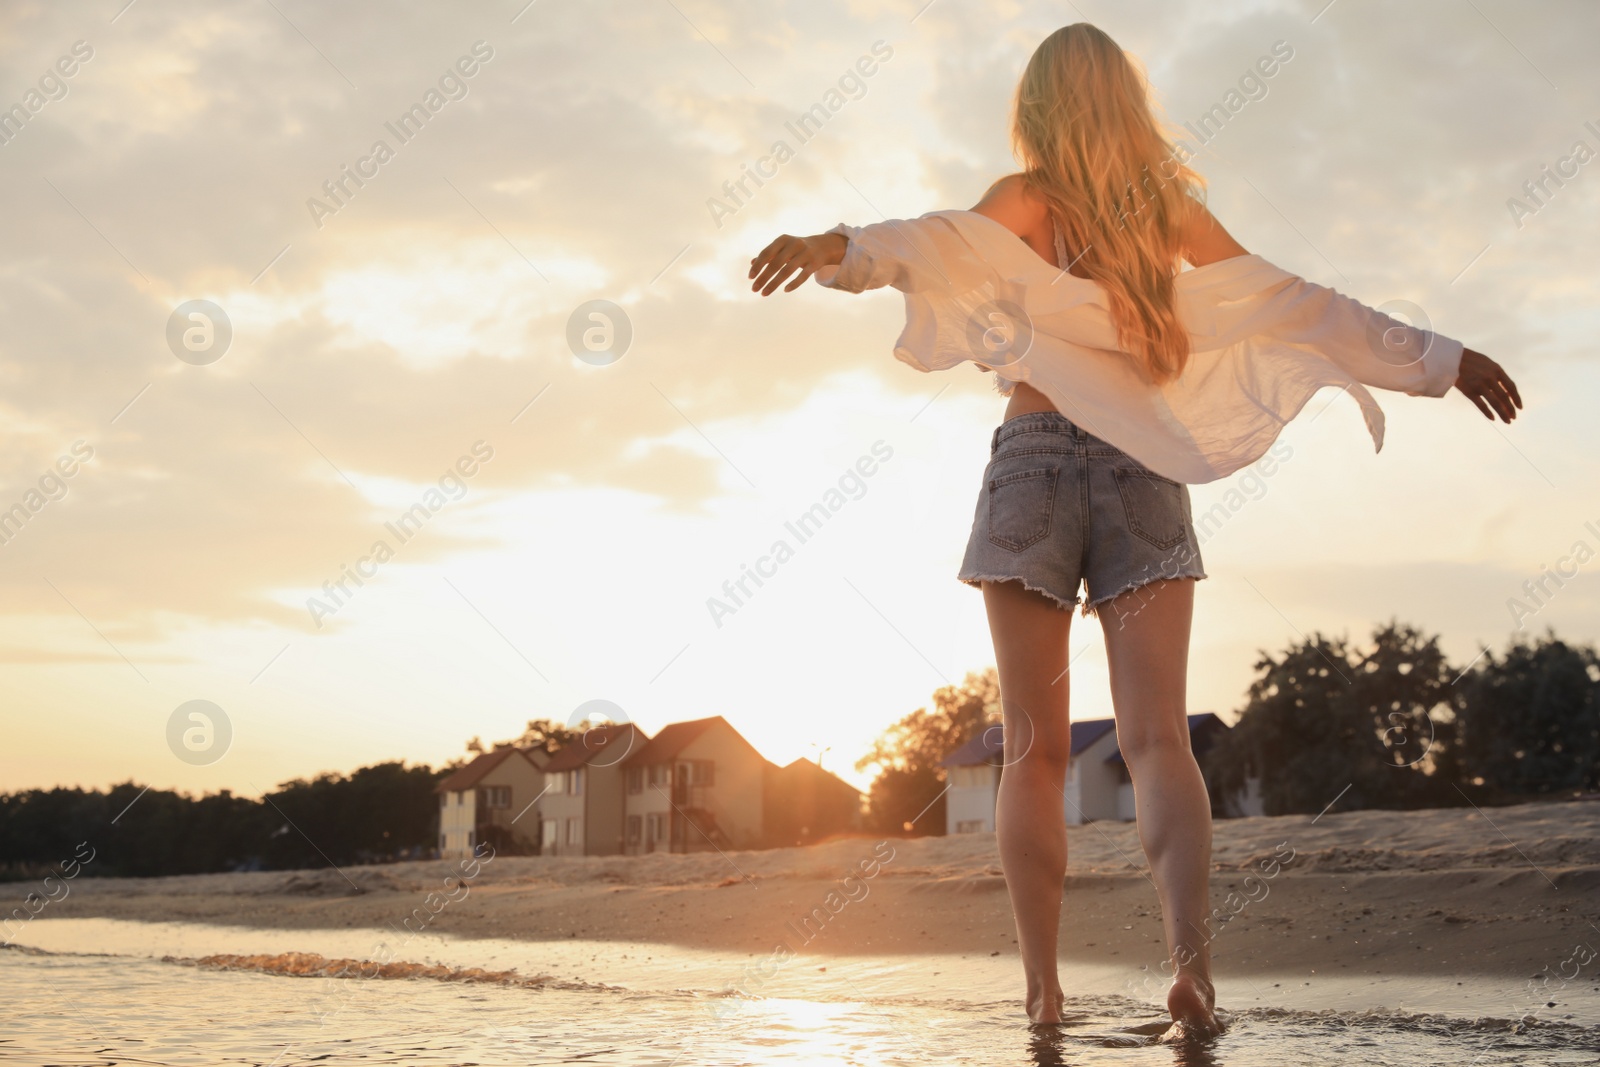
[[1530, 721], [1326, 721], [549, 735], [376, 813], [907, 795]]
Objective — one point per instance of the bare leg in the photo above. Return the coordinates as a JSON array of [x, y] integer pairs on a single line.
[[1030, 643], [1147, 645]]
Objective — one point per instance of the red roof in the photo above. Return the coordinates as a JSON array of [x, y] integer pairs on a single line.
[[675, 737], [608, 744], [474, 772], [805, 770]]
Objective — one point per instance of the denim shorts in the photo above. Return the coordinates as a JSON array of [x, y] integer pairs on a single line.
[[1059, 506]]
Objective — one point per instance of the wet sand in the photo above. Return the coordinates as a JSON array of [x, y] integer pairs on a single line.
[[1505, 893]]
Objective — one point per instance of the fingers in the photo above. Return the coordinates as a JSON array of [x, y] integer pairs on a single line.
[[1510, 387], [770, 275], [800, 279], [1503, 404], [1492, 399], [770, 259], [767, 253], [777, 262]]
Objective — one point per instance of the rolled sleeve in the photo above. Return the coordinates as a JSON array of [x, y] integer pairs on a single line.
[[1441, 364], [853, 274]]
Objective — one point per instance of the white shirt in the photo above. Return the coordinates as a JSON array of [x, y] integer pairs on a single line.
[[1262, 340]]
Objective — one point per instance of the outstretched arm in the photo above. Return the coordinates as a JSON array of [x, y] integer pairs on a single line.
[[1479, 378]]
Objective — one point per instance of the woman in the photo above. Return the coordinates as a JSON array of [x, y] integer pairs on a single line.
[[1104, 197]]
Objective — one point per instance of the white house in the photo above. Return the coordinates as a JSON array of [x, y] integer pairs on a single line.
[[1098, 785]]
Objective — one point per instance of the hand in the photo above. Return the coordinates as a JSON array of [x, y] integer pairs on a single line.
[[787, 254], [1488, 386]]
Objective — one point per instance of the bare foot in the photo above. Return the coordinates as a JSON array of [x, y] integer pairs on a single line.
[[1192, 1005], [1046, 1007]]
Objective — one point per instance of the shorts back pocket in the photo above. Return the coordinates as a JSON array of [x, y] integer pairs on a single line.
[[1154, 506], [1020, 504]]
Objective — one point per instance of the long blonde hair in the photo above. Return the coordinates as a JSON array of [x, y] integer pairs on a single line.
[[1085, 133]]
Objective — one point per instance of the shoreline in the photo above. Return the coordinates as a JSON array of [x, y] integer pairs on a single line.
[[1434, 892]]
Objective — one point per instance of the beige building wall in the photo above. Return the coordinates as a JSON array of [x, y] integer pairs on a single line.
[[735, 797], [604, 807], [515, 819], [647, 812], [561, 812]]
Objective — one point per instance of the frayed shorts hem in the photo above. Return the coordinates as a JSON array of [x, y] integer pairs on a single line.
[[1093, 608], [1087, 607], [977, 580]]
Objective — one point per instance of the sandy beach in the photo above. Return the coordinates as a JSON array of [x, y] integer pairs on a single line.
[[1504, 893]]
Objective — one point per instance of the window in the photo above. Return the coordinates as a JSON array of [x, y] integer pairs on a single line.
[[655, 826], [635, 780], [461, 798], [470, 835], [969, 826], [656, 774], [442, 845], [633, 829], [495, 796], [548, 830], [577, 782], [574, 831]]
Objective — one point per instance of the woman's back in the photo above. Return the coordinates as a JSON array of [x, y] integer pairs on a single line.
[[1015, 205]]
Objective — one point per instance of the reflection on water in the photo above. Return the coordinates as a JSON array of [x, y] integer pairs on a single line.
[[81, 1010]]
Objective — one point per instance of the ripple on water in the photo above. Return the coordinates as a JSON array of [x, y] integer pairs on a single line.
[[101, 1010]]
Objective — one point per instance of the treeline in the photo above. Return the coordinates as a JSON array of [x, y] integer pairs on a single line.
[[376, 814], [1396, 725], [1391, 724], [384, 812]]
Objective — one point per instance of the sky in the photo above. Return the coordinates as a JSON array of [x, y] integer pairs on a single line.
[[412, 335]]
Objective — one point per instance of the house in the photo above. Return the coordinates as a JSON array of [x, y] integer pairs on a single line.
[[804, 803], [1204, 730], [1098, 785], [490, 801], [695, 785], [582, 808]]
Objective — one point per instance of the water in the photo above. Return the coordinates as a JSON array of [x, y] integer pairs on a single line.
[[93, 992]]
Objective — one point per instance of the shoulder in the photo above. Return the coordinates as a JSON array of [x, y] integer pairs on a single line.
[[1201, 238], [1013, 203]]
